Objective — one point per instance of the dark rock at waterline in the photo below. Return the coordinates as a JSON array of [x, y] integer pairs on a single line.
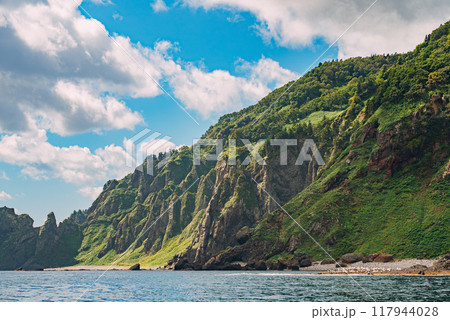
[[304, 262], [135, 267], [279, 265], [416, 269], [270, 265], [352, 257], [231, 266], [341, 265], [440, 265], [258, 265], [327, 261]]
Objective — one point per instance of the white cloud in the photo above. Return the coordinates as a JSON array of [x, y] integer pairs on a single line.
[[159, 6], [4, 196], [61, 73], [74, 164], [102, 2], [235, 18], [389, 26], [40, 26], [3, 21], [51, 47], [89, 110], [157, 146], [61, 70], [218, 91], [90, 192]]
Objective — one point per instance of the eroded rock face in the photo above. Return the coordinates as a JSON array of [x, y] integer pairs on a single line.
[[135, 267], [409, 139], [18, 239], [352, 257], [225, 223], [383, 257], [24, 247]]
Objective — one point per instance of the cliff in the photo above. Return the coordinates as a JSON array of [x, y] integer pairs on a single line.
[[381, 124], [29, 248]]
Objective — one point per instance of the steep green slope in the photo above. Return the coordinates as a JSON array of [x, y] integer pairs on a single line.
[[385, 187], [381, 124]]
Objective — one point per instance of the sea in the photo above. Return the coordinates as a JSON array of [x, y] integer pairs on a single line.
[[217, 286]]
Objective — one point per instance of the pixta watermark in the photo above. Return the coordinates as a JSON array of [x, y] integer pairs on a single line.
[[147, 146], [253, 149]]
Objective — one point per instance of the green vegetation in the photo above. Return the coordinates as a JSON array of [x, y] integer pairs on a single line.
[[382, 125], [358, 202]]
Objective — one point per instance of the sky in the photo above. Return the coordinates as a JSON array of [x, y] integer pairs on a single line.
[[79, 80]]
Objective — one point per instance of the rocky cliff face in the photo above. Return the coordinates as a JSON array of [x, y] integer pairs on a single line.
[[396, 201], [382, 125], [23, 246], [17, 239], [221, 200], [377, 121]]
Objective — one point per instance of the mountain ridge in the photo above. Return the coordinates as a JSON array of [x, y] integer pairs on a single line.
[[382, 125]]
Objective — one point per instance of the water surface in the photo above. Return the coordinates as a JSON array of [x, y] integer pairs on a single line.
[[216, 286]]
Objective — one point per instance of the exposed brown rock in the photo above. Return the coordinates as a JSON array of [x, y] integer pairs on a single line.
[[243, 235], [352, 257], [341, 265], [383, 257], [135, 267]]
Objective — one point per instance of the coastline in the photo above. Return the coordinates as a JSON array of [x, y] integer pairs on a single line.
[[100, 268], [409, 267]]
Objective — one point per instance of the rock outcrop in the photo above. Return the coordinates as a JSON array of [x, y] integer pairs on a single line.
[[382, 127], [383, 257], [25, 247], [352, 257]]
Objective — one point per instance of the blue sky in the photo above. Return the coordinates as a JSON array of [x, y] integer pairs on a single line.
[[73, 95]]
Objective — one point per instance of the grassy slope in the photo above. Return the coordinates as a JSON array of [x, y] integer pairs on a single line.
[[407, 214], [331, 104]]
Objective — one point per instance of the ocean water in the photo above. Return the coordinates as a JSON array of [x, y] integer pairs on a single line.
[[216, 286]]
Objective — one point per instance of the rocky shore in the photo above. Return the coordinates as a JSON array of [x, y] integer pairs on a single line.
[[103, 268], [436, 267]]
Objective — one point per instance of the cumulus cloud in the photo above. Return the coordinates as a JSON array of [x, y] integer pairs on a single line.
[[4, 196], [87, 111], [61, 69], [157, 146], [49, 47], [74, 164], [159, 6], [219, 91], [389, 26], [61, 73], [90, 192]]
